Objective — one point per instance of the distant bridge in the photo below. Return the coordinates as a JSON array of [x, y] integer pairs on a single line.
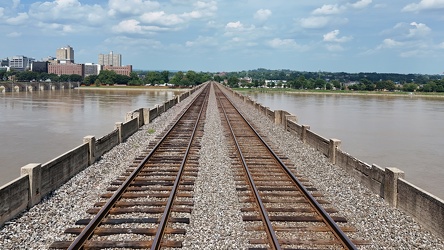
[[35, 86]]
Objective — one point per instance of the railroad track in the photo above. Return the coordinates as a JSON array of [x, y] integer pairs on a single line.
[[147, 204], [278, 208]]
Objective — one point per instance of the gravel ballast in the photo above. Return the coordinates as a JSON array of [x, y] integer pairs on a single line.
[[216, 221]]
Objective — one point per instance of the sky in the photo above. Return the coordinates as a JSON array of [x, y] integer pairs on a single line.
[[215, 36]]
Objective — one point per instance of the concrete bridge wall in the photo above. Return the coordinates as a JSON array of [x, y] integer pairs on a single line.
[[37, 180], [389, 183]]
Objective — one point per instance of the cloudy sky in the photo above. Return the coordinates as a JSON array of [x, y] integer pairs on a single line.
[[210, 35]]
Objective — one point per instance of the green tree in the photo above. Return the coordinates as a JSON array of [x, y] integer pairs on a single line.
[[107, 77], [233, 82], [409, 87], [177, 78]]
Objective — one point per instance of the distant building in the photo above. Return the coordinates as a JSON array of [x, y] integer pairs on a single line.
[[110, 59], [20, 63], [67, 69], [4, 62], [65, 55], [122, 70], [40, 66], [92, 69]]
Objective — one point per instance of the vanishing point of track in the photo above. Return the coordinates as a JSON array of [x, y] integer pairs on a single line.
[[146, 206]]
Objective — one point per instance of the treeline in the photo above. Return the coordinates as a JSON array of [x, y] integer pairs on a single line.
[[106, 77], [341, 80]]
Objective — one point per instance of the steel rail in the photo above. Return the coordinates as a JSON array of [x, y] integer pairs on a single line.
[[160, 231], [265, 218], [339, 234], [88, 231]]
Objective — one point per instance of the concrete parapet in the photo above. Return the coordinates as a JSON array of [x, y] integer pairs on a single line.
[[34, 173], [59, 170], [106, 143], [425, 207], [391, 185], [91, 140], [13, 198]]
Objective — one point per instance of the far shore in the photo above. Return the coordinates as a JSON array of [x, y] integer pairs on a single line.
[[136, 88], [342, 92]]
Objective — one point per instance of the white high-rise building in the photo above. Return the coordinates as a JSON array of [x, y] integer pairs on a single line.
[[110, 59], [65, 54]]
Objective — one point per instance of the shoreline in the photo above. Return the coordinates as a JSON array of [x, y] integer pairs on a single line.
[[136, 88], [389, 94]]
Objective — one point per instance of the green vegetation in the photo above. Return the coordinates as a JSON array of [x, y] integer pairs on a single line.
[[327, 81], [151, 131]]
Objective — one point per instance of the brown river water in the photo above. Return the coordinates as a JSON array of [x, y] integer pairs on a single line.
[[38, 126], [403, 132], [406, 132]]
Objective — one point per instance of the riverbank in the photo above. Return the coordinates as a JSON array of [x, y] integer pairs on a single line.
[[124, 87], [342, 92]]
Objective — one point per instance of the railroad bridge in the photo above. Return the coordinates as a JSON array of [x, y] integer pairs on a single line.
[[151, 203]]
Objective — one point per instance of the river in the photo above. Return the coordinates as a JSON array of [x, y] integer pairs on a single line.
[[38, 126], [390, 131], [403, 132]]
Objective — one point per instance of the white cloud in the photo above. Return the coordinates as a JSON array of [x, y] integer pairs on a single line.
[[360, 4], [333, 37], [19, 19], [262, 14], [291, 44], [202, 9], [67, 11], [161, 18], [314, 22], [233, 28], [329, 9], [424, 5], [131, 7], [390, 43], [420, 30], [129, 26], [317, 22], [441, 45]]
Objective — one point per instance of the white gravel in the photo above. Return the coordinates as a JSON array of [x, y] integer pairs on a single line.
[[216, 221]]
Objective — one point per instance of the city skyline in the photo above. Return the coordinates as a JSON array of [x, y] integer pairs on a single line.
[[208, 35]]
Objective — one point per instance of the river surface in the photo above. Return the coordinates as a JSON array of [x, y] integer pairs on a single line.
[[389, 131], [403, 132], [38, 126]]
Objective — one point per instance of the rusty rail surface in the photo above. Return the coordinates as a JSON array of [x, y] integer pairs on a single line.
[[160, 184], [289, 212]]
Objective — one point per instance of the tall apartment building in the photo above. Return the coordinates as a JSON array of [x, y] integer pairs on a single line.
[[65, 55], [110, 59]]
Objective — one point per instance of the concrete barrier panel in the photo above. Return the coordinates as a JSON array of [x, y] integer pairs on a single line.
[[106, 143], [14, 198], [59, 170], [425, 207], [129, 128], [318, 142]]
